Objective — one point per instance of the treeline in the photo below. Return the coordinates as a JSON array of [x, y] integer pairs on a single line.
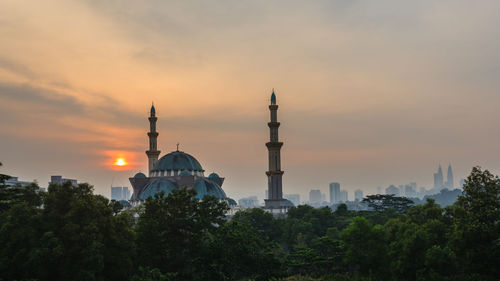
[[68, 233]]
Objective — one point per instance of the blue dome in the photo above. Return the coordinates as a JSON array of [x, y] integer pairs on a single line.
[[140, 176], [231, 202], [157, 186], [185, 173], [205, 187], [178, 161], [213, 176]]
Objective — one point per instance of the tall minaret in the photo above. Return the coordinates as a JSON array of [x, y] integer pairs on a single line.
[[153, 152], [275, 190]]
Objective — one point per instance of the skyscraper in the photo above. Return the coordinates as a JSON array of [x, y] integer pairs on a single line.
[[334, 192], [274, 174], [315, 196], [392, 190], [120, 193], [358, 194], [438, 179], [449, 178], [344, 196]]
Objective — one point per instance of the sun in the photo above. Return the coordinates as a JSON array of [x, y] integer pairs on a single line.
[[120, 162]]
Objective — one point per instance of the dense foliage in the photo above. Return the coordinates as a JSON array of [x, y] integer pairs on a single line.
[[68, 233]]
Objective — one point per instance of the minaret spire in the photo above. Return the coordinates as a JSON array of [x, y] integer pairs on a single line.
[[274, 174], [153, 151]]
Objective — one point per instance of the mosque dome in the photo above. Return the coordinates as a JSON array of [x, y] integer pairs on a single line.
[[157, 186], [206, 187], [176, 162], [213, 176], [140, 176], [185, 173]]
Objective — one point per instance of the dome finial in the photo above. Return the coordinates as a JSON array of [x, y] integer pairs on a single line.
[[178, 146], [273, 98]]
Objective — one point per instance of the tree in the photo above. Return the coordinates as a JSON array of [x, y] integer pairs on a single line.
[[365, 248], [174, 232], [477, 226], [90, 242], [384, 202], [240, 252]]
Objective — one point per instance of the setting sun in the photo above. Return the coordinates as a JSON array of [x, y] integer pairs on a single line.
[[120, 162]]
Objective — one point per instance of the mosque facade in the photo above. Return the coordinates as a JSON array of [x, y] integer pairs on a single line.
[[172, 171]]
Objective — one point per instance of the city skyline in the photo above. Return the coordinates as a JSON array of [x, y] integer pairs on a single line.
[[372, 94]]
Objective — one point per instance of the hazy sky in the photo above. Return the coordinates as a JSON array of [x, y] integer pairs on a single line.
[[371, 93]]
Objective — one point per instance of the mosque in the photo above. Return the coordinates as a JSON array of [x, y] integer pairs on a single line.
[[172, 171], [179, 169]]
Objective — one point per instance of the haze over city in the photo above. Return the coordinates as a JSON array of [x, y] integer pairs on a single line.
[[370, 94]]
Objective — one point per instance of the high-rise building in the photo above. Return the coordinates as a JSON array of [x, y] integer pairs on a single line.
[[120, 193], [438, 179], [358, 194], [334, 192], [344, 196], [315, 196], [449, 178], [14, 181], [294, 198], [251, 201], [61, 180], [275, 201], [410, 190], [379, 190], [392, 190]]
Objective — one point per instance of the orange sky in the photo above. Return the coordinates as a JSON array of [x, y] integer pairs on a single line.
[[370, 94]]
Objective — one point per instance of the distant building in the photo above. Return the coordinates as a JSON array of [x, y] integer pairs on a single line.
[[14, 181], [251, 201], [392, 190], [358, 194], [61, 180], [294, 198], [438, 178], [120, 193], [449, 179], [334, 192], [315, 196], [344, 196], [411, 190], [462, 183], [379, 190], [401, 190]]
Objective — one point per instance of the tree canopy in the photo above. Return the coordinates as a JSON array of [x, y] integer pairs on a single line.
[[68, 233]]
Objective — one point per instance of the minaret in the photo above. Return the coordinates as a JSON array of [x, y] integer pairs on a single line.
[[449, 178], [153, 152], [275, 190]]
